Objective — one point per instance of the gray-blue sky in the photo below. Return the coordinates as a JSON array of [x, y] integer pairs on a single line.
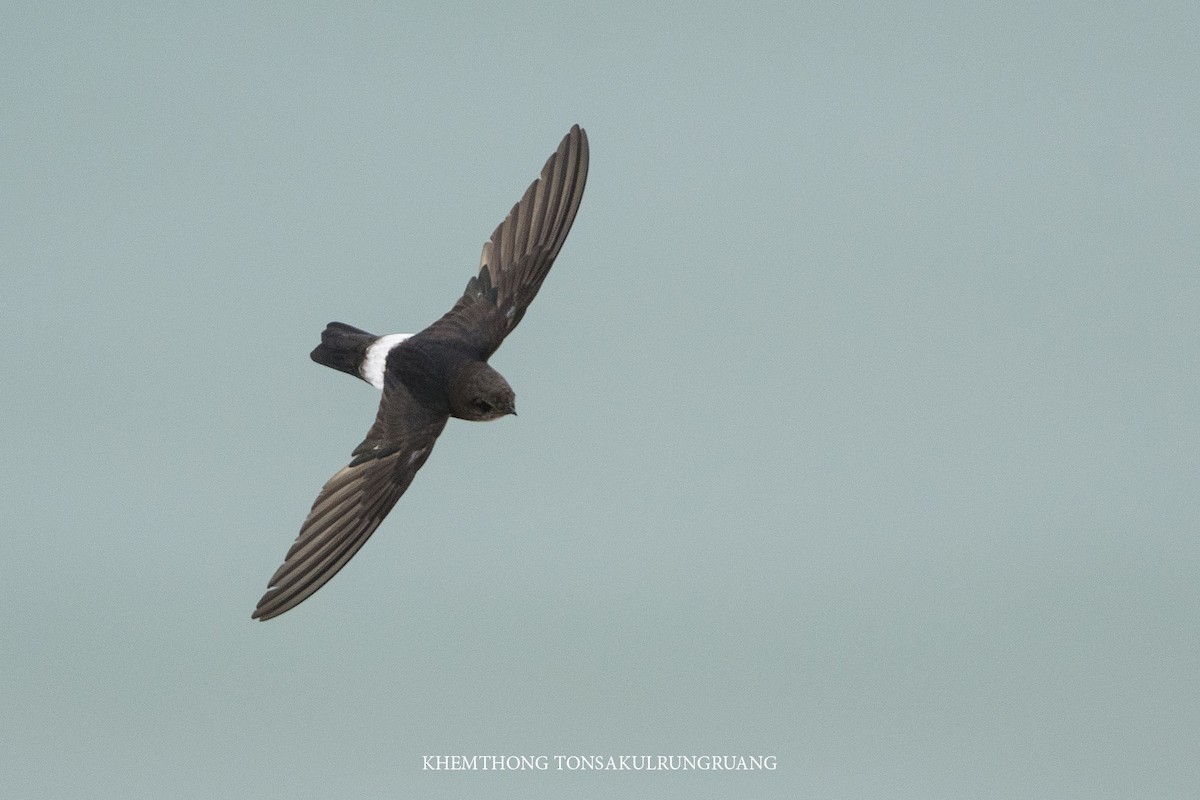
[[858, 417]]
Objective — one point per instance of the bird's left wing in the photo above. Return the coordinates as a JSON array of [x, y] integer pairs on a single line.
[[354, 501]]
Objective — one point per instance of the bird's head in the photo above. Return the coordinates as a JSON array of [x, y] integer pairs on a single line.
[[480, 393]]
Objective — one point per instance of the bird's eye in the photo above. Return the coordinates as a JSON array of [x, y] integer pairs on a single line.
[[483, 405]]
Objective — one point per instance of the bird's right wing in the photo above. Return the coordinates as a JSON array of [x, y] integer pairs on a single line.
[[520, 253], [355, 500]]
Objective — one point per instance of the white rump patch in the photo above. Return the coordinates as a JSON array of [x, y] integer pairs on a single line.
[[376, 358]]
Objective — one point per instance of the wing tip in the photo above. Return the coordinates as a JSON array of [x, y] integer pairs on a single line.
[[262, 614]]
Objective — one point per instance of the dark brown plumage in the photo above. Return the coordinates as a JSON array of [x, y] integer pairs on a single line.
[[438, 373]]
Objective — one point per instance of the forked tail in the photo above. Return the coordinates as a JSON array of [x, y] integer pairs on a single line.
[[343, 347]]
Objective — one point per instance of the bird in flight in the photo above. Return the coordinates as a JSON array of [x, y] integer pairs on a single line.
[[428, 377]]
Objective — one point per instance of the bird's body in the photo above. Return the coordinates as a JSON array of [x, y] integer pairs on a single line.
[[428, 377]]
